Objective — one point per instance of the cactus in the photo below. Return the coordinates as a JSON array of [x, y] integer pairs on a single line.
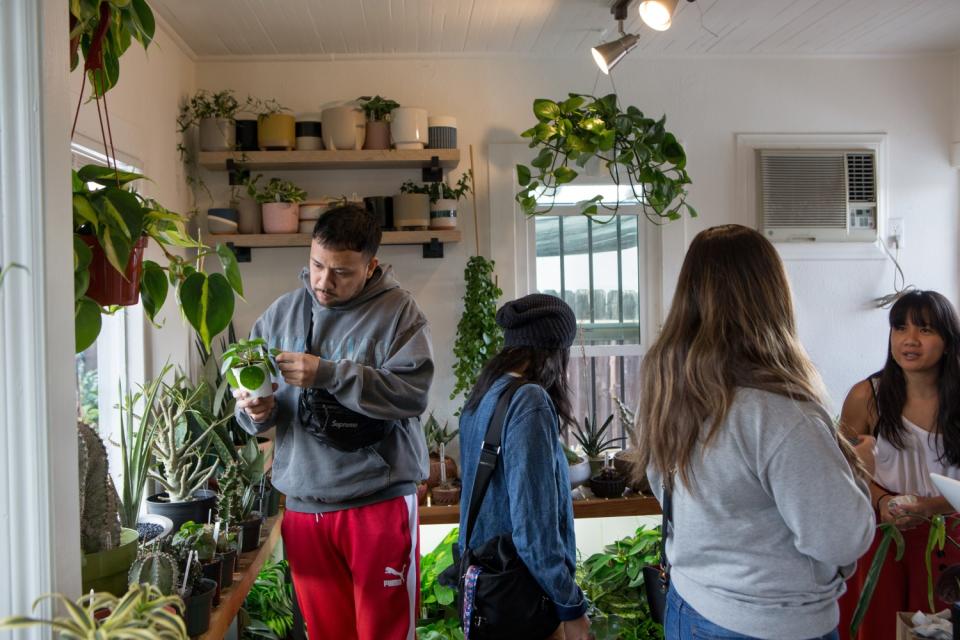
[[231, 494], [156, 568], [176, 452], [99, 503]]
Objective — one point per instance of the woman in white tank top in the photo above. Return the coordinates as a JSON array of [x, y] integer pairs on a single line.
[[906, 418]]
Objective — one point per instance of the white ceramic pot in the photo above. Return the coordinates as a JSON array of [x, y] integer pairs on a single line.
[[443, 214], [579, 473], [217, 134], [281, 217], [263, 390], [408, 128], [344, 128], [411, 210]]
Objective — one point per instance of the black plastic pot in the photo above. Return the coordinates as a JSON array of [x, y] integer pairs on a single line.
[[249, 536], [381, 207], [197, 607], [609, 486], [247, 135], [198, 509], [213, 570], [227, 568]]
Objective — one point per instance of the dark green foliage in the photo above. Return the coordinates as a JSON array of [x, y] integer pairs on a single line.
[[439, 615], [478, 336], [270, 603]]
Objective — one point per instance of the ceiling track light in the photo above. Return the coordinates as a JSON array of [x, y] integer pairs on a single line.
[[658, 14], [608, 54]]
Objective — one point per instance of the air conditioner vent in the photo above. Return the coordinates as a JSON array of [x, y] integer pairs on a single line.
[[803, 191], [861, 177]]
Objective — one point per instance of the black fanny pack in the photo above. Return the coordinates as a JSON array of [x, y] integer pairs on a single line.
[[333, 424]]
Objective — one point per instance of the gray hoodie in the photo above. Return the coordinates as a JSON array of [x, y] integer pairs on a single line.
[[377, 359], [775, 523]]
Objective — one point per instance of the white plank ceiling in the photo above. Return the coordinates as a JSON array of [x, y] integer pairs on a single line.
[[216, 29]]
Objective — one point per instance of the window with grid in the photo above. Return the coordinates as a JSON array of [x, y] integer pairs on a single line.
[[596, 266]]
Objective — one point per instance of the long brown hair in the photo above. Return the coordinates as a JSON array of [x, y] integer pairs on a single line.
[[731, 325]]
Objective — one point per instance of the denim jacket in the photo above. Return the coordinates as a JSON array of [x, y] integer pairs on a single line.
[[529, 494]]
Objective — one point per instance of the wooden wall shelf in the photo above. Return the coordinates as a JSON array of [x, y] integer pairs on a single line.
[[263, 240], [590, 508], [248, 567], [370, 159]]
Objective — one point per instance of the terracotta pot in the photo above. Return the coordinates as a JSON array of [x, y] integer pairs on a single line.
[[281, 217], [107, 285], [422, 490], [445, 495], [378, 135], [434, 479]]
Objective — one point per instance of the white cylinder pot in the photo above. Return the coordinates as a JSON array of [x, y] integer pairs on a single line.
[[263, 390], [411, 210], [217, 134], [344, 128], [443, 214], [281, 217], [408, 128]]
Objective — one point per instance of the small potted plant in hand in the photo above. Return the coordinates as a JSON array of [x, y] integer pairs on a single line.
[[443, 201], [214, 113], [248, 365], [377, 110], [280, 200]]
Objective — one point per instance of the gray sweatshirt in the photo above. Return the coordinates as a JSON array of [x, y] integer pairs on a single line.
[[775, 522], [377, 360]]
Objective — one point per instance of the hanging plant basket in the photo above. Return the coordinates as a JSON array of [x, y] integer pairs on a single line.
[[107, 285]]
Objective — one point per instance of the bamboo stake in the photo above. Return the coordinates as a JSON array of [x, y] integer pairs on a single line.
[[473, 194]]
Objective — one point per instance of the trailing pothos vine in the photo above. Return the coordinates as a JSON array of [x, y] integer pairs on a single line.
[[478, 336], [635, 150]]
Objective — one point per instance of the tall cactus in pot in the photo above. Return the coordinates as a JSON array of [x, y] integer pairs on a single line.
[[99, 504], [178, 454]]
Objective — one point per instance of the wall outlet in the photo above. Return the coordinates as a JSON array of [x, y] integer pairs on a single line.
[[895, 232]]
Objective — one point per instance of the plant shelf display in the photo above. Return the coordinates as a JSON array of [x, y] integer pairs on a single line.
[[263, 240], [362, 159]]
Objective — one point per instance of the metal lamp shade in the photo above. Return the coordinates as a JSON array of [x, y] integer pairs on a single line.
[[607, 55], [658, 14]]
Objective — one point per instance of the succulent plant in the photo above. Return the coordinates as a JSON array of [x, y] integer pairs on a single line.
[[157, 568], [99, 504], [196, 537]]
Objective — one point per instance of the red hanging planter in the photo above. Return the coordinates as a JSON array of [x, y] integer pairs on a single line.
[[107, 285]]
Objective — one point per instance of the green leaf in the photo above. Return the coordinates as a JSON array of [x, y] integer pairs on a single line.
[[545, 110], [105, 176], [544, 159], [564, 175], [572, 103], [523, 175], [252, 377], [207, 303], [153, 288], [690, 210], [147, 22], [593, 125], [84, 211], [228, 260], [873, 575], [87, 322]]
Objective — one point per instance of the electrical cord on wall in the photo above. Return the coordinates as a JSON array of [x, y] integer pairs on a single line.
[[886, 301]]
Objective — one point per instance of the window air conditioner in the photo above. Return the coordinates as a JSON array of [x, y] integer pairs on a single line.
[[822, 195]]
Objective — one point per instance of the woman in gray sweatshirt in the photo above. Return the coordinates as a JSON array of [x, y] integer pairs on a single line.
[[770, 509]]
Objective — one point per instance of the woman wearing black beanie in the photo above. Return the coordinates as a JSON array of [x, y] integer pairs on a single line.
[[529, 493]]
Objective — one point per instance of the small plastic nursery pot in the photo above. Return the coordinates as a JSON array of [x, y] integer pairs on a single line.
[[197, 608], [249, 536]]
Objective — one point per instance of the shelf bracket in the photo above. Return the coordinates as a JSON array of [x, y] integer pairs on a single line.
[[433, 172], [243, 254], [433, 249]]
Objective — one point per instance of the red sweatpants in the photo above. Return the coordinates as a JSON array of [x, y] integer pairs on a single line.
[[902, 586], [357, 571]]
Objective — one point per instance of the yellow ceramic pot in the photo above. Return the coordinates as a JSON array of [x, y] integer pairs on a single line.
[[277, 131]]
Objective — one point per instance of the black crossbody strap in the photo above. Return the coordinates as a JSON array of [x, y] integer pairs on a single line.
[[489, 454], [666, 527]]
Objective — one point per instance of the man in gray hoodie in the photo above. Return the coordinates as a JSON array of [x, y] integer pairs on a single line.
[[357, 364]]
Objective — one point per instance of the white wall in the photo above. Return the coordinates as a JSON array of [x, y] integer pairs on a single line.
[[707, 102], [143, 110]]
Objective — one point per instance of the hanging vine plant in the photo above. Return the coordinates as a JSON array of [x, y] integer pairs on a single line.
[[634, 149], [478, 336], [101, 31]]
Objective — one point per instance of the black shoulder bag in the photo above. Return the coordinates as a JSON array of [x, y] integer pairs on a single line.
[[333, 424], [497, 597], [656, 577]]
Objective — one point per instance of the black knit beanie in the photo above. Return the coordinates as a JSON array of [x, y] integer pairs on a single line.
[[539, 321]]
